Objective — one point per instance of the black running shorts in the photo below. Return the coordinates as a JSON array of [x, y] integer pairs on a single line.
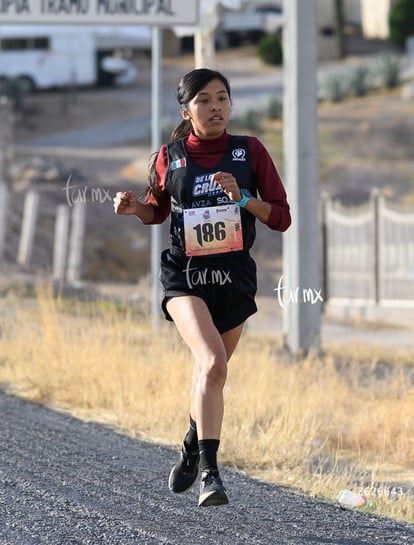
[[226, 282]]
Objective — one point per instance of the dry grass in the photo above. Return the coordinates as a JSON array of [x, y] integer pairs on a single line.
[[316, 423]]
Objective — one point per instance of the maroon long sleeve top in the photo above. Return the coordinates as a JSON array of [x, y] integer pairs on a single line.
[[208, 153]]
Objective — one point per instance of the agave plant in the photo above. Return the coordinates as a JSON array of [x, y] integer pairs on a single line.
[[358, 80], [389, 69], [334, 87]]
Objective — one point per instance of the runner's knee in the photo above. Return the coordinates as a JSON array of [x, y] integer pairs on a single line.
[[213, 371]]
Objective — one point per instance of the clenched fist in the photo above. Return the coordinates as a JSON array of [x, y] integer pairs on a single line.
[[125, 202]]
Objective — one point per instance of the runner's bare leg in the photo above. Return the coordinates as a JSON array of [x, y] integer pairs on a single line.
[[211, 352]]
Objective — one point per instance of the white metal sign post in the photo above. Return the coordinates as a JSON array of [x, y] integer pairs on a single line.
[[155, 13]]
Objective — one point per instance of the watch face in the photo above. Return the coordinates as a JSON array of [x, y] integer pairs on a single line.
[[246, 192]]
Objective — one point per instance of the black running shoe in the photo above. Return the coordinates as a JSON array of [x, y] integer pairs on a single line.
[[212, 491], [184, 474]]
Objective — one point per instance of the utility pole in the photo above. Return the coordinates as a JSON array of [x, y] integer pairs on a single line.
[[301, 276]]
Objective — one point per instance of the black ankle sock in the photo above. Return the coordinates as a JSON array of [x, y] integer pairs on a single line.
[[208, 453], [191, 438]]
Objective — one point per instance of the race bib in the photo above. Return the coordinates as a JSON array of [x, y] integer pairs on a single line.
[[213, 230]]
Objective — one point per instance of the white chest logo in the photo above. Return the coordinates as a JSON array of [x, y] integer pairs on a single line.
[[239, 154]]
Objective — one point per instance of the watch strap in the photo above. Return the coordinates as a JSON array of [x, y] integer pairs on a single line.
[[244, 200]]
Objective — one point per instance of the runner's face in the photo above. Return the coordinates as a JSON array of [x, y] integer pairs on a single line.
[[209, 110]]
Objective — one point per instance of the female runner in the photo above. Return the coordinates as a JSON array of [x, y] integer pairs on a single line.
[[209, 181]]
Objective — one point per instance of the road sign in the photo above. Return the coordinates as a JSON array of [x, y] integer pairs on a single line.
[[162, 13]]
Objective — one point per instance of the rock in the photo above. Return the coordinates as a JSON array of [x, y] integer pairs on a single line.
[[407, 91]]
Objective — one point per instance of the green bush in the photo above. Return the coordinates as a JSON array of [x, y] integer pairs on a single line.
[[401, 21], [270, 49], [14, 90]]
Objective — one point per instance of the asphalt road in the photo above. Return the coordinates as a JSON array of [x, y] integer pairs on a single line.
[[67, 482]]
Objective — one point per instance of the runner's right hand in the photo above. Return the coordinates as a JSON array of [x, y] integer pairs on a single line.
[[125, 202]]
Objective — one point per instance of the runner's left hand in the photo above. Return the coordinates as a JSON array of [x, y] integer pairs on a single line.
[[228, 184]]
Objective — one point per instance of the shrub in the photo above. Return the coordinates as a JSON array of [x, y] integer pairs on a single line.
[[389, 69], [334, 87], [401, 21], [358, 80], [251, 120], [14, 89], [274, 108], [270, 49]]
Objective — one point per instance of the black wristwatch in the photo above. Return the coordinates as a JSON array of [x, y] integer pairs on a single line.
[[246, 196]]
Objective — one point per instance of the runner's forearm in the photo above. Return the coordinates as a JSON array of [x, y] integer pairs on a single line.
[[260, 209], [144, 212]]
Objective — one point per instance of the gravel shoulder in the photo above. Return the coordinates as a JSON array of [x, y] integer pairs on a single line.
[[65, 481]]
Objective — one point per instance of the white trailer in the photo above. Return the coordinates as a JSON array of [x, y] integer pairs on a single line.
[[45, 56]]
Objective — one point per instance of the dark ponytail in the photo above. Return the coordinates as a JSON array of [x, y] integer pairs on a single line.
[[153, 188], [182, 130], [189, 86]]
